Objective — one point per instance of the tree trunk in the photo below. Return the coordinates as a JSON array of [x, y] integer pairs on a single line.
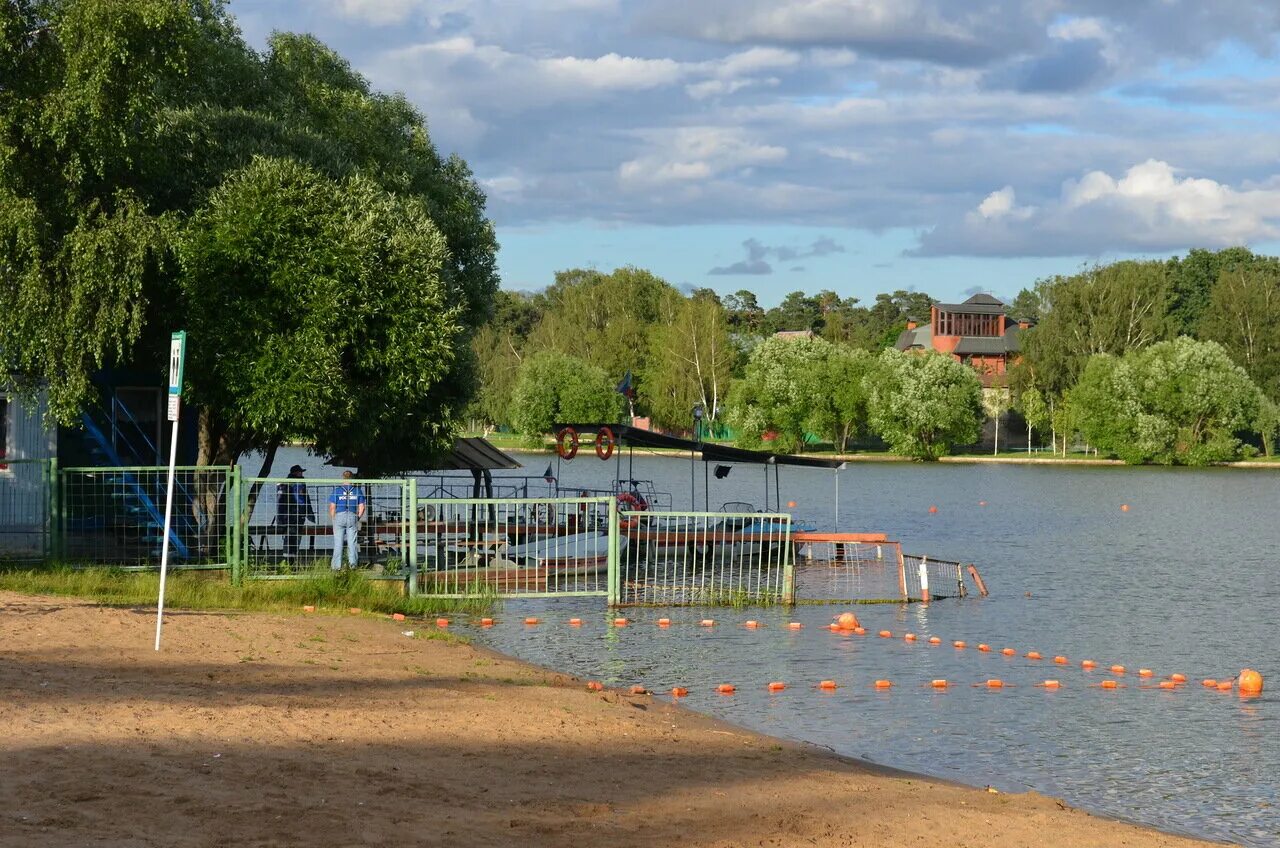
[[1028, 440]]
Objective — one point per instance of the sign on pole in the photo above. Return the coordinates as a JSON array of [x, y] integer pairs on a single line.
[[177, 354]]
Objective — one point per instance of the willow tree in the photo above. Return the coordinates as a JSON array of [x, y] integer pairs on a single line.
[[129, 126], [923, 404]]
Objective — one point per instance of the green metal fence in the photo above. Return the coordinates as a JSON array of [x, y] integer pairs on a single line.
[[286, 530], [514, 547], [27, 509], [705, 558], [115, 516]]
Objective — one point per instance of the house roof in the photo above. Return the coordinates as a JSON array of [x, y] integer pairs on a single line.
[[921, 337], [981, 345], [979, 304]]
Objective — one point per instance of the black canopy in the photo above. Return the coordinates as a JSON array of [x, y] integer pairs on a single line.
[[636, 437]]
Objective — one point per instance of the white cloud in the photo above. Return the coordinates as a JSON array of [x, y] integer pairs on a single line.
[[693, 154], [1148, 208]]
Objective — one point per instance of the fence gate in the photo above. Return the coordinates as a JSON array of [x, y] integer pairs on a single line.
[[513, 547], [705, 558]]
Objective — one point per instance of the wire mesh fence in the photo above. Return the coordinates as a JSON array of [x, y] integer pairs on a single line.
[[115, 516], [291, 526], [26, 509], [522, 547], [829, 571], [705, 558], [928, 578]]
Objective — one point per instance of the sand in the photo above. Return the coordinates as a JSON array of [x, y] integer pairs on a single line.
[[335, 730]]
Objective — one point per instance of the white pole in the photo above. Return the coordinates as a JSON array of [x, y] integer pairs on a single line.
[[168, 512], [837, 500]]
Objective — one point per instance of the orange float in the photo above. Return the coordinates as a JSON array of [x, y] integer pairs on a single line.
[[575, 622], [1124, 507], [664, 622], [795, 625], [933, 510], [885, 634], [1088, 664], [791, 504], [1008, 652], [848, 620], [1060, 660], [751, 625], [605, 443], [1167, 684], [861, 631], [397, 616], [935, 640], [1250, 682], [1225, 685], [1209, 683], [620, 622], [309, 608], [679, 691], [707, 622], [1108, 684], [442, 622], [726, 689], [595, 686], [993, 683], [1178, 678], [488, 622], [1145, 672], [827, 685], [909, 637], [1034, 655], [777, 686], [959, 644], [833, 627], [938, 684], [984, 647], [883, 684], [531, 620], [567, 443], [639, 690], [1117, 669], [1050, 684]]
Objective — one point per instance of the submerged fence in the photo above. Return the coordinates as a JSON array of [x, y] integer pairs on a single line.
[[413, 532]]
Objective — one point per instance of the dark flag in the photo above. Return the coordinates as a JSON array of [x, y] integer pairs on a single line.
[[547, 475], [625, 388], [722, 471]]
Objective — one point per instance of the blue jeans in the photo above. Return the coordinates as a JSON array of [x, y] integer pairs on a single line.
[[345, 524]]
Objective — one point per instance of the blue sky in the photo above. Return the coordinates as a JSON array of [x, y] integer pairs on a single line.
[[854, 145]]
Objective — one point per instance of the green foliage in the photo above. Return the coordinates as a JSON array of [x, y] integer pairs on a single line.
[[1178, 402], [796, 386], [1267, 424], [1243, 315], [691, 358], [557, 388], [922, 404], [126, 126], [1192, 279]]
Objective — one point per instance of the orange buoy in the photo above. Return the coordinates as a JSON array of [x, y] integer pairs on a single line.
[[1250, 682], [827, 684], [639, 690], [938, 684], [726, 689], [679, 691], [1225, 685], [959, 644], [833, 627], [1117, 669], [397, 616], [791, 504], [935, 640], [664, 622], [751, 624], [795, 625], [1209, 683], [909, 637], [442, 622], [1060, 660], [575, 622], [309, 608], [885, 634], [1167, 684], [933, 510], [1051, 684], [777, 686], [1034, 655], [1008, 652], [982, 503], [1124, 507], [707, 622], [1178, 678], [883, 684], [1145, 672], [595, 686], [353, 610], [1088, 664], [1108, 684], [848, 620], [619, 622], [861, 631], [486, 622], [531, 620], [984, 647], [993, 683]]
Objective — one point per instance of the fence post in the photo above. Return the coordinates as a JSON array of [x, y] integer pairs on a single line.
[[60, 522], [614, 571], [50, 546], [411, 561], [925, 595], [234, 509], [788, 566]]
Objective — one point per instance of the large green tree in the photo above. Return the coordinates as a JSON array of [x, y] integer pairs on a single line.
[[691, 359], [556, 388], [125, 125], [923, 404], [1176, 402], [1243, 315]]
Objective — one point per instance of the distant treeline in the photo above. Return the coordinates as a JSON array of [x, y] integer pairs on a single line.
[[1165, 361]]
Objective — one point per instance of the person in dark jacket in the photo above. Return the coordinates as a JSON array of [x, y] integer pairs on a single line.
[[293, 509]]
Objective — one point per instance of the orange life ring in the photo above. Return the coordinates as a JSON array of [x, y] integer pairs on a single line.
[[567, 443], [632, 502], [605, 442]]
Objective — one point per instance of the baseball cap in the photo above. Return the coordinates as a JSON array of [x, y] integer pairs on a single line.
[[296, 469]]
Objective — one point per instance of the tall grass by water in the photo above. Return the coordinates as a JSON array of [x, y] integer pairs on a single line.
[[205, 591]]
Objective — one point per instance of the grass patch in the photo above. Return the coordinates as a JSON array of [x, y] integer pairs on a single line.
[[212, 591]]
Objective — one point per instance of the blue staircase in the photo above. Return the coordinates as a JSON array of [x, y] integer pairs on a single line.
[[134, 498]]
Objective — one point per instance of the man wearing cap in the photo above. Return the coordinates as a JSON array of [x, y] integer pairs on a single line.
[[346, 508], [293, 508]]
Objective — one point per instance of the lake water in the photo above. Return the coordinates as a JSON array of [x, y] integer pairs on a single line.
[[1185, 581]]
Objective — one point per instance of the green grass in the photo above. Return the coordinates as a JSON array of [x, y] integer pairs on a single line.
[[208, 591]]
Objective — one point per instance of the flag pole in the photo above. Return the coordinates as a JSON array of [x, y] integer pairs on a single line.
[[177, 352]]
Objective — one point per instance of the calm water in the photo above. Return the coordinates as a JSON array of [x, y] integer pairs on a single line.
[[1183, 582]]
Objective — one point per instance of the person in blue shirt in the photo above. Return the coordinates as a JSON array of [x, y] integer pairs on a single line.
[[293, 509], [346, 509]]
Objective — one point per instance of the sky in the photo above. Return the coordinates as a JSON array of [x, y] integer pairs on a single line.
[[854, 145]]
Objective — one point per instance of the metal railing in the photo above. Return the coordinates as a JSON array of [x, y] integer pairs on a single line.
[[851, 572], [711, 558], [26, 509], [521, 547], [287, 530], [115, 516], [928, 578]]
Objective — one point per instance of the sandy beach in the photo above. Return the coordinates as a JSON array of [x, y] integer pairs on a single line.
[[336, 729]]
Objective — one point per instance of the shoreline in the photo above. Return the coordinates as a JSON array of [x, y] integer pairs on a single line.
[[337, 729]]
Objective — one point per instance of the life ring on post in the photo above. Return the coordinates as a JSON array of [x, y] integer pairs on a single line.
[[605, 442], [632, 502], [567, 443]]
